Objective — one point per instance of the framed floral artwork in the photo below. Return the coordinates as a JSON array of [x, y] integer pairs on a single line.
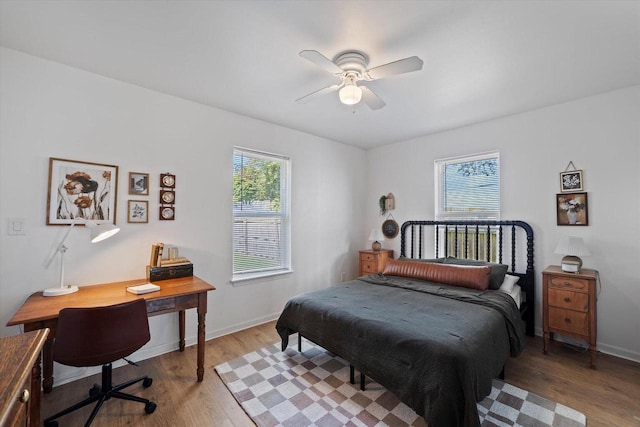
[[138, 211], [81, 190], [571, 181], [572, 209], [139, 183]]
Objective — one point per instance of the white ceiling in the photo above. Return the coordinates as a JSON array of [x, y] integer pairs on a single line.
[[482, 59]]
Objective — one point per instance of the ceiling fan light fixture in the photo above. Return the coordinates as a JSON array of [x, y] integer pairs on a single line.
[[350, 94]]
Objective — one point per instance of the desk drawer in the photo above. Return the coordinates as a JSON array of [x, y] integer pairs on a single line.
[[163, 304], [567, 299]]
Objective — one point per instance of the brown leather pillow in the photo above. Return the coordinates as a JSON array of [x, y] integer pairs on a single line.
[[474, 277]]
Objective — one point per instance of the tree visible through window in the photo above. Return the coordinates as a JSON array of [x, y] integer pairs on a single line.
[[260, 213]]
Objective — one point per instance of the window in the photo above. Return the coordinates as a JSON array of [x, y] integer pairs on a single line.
[[468, 187], [260, 214]]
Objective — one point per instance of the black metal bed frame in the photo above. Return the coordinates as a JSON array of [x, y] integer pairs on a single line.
[[412, 246]]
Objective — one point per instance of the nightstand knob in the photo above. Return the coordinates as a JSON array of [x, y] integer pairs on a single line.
[[24, 397], [567, 320], [567, 299]]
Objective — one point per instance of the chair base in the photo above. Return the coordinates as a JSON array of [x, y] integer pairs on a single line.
[[102, 393]]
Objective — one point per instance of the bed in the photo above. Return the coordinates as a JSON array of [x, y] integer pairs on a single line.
[[416, 330]]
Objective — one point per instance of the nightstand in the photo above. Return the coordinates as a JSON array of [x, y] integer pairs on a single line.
[[569, 306], [374, 261]]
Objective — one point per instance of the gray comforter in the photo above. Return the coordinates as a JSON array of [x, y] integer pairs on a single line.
[[437, 347]]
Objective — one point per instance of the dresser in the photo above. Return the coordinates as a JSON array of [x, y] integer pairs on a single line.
[[569, 306], [373, 261], [20, 358]]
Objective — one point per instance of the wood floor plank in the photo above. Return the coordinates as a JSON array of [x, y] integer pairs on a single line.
[[609, 396]]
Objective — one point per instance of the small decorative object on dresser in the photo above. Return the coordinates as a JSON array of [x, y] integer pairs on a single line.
[[569, 306], [572, 248], [376, 237], [373, 261]]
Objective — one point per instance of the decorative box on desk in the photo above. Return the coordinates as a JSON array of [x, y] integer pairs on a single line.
[[169, 272], [373, 261], [569, 306]]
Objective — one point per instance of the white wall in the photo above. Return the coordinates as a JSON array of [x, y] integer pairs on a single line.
[[601, 135], [51, 110]]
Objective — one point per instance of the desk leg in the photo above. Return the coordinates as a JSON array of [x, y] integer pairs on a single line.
[[181, 323], [202, 313], [47, 365]]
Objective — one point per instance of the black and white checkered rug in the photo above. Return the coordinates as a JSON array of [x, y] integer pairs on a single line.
[[312, 388]]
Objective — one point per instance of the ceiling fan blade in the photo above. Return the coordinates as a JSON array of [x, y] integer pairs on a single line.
[[371, 99], [318, 93], [401, 66], [321, 61]]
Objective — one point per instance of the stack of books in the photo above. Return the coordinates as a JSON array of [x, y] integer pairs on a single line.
[[168, 268]]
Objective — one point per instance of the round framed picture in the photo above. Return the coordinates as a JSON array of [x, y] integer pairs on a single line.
[[167, 180], [167, 196], [167, 213], [390, 228]]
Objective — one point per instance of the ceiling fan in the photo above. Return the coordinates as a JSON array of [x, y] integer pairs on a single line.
[[351, 67]]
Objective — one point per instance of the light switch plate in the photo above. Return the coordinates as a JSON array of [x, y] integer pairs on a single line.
[[16, 227]]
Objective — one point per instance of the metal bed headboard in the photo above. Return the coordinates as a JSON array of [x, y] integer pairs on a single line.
[[466, 238]]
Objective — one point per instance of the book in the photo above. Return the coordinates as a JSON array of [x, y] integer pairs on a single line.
[[159, 254], [174, 261], [143, 289]]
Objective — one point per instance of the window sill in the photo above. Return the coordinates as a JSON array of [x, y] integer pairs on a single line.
[[245, 279]]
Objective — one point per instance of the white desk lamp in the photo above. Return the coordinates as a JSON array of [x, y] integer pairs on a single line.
[[98, 232], [376, 237], [573, 248]]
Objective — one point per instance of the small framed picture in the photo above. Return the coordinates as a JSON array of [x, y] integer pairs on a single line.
[[139, 183], [572, 209], [138, 211], [571, 181]]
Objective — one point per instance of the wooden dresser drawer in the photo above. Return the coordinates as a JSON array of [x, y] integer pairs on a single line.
[[368, 267], [365, 257], [570, 321], [579, 285], [568, 299]]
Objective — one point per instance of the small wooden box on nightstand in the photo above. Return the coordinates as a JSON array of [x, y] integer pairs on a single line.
[[374, 261], [569, 306]]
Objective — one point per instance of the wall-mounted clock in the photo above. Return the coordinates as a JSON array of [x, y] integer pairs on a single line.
[[167, 196], [167, 213], [390, 228], [167, 180]]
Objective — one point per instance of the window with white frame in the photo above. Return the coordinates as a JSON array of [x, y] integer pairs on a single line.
[[468, 187], [261, 230]]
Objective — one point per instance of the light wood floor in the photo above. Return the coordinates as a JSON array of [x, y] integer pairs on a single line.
[[609, 396]]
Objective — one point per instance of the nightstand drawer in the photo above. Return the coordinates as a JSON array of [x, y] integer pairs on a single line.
[[367, 257], [569, 321], [368, 267], [567, 299], [559, 282]]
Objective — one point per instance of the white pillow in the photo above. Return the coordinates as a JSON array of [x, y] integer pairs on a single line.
[[509, 281]]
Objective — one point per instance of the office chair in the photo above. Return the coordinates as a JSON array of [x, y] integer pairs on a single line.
[[99, 336]]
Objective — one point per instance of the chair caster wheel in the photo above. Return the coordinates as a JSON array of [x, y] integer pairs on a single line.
[[94, 391], [150, 407], [147, 382], [51, 424]]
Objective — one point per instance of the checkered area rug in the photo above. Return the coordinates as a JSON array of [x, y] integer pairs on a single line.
[[312, 388]]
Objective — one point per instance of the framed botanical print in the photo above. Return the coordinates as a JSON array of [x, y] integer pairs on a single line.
[[139, 183], [81, 190], [138, 211], [572, 209], [571, 181]]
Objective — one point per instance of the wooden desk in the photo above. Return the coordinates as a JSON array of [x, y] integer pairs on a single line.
[[175, 295]]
